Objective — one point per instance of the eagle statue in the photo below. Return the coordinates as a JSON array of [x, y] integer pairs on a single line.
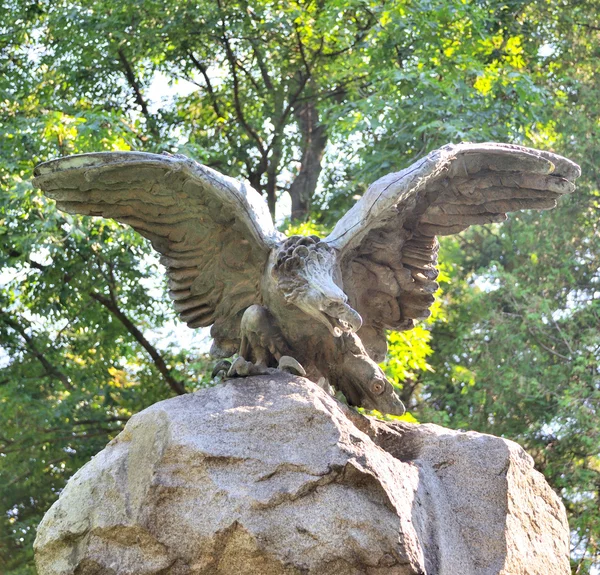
[[316, 306]]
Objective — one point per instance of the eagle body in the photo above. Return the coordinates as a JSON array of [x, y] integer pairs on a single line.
[[325, 302], [304, 294]]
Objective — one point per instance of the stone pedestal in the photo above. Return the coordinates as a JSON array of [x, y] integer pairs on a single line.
[[270, 475]]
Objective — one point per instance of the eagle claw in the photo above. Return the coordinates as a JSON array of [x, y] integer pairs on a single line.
[[242, 368], [289, 364], [222, 366]]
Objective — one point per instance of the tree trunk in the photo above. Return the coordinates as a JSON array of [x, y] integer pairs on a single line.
[[314, 140], [272, 172]]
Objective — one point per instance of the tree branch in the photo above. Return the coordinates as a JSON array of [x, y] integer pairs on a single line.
[[231, 60], [262, 67], [139, 97], [338, 91], [13, 442], [548, 349], [254, 41], [49, 368], [589, 26], [158, 360], [288, 109], [236, 98], [295, 97], [204, 71], [110, 304], [70, 437], [249, 76], [301, 48], [87, 422], [253, 175], [314, 140], [32, 263]]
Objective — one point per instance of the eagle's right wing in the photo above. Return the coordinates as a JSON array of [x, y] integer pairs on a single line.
[[214, 233], [387, 243]]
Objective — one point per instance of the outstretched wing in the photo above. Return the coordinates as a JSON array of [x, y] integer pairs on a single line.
[[214, 233], [387, 242]]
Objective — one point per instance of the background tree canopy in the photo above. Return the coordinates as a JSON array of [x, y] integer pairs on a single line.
[[310, 101]]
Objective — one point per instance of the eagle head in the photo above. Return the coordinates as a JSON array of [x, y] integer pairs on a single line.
[[308, 275]]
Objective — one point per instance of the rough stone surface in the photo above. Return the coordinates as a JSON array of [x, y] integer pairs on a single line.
[[270, 475]]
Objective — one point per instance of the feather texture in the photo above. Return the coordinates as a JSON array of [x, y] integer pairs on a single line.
[[387, 243], [214, 233]]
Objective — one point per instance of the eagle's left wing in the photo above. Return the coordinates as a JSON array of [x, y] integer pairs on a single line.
[[387, 242], [214, 233]]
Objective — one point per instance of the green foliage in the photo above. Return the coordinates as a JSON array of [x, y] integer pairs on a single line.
[[75, 312], [518, 355], [519, 352], [512, 348], [408, 351], [309, 228], [73, 294], [440, 72]]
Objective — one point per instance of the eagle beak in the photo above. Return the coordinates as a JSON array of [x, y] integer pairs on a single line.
[[342, 318]]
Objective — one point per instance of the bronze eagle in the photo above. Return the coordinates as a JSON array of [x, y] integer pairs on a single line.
[[325, 302]]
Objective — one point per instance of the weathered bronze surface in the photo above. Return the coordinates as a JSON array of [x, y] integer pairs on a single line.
[[324, 302]]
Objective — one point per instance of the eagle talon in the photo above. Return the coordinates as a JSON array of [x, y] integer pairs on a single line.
[[290, 365], [221, 366], [242, 368]]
